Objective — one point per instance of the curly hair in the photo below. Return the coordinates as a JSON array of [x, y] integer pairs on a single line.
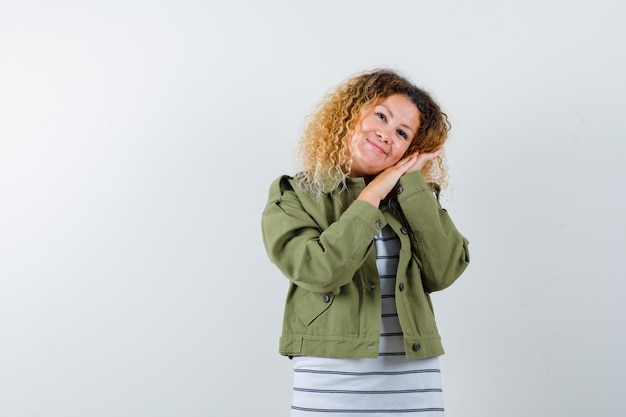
[[323, 149]]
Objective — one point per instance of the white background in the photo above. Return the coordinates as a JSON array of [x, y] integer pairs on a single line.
[[137, 142]]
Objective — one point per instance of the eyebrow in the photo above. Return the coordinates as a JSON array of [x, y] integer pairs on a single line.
[[391, 114]]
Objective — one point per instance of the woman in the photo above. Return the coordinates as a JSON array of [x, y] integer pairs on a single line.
[[361, 236]]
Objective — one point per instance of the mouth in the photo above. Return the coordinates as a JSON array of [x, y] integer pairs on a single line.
[[376, 146]]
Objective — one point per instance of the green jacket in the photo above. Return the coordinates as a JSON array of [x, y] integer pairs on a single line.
[[325, 247]]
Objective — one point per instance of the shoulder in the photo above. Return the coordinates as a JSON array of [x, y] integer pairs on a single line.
[[288, 187], [281, 185]]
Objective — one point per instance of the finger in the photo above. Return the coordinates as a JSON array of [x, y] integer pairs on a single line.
[[437, 152], [429, 156], [408, 159]]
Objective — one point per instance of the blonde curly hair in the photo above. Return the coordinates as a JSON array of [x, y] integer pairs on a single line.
[[323, 150]]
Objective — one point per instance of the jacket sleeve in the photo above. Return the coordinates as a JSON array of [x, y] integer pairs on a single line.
[[316, 258], [441, 250]]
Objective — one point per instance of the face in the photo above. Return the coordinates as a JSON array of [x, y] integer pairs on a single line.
[[383, 135]]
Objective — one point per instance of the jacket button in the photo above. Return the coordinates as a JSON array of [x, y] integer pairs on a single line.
[[401, 286], [416, 347], [379, 224], [404, 230], [326, 298], [399, 189]]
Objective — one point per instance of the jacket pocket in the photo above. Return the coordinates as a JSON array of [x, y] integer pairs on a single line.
[[313, 305]]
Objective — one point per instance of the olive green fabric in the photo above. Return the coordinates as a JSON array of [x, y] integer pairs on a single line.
[[325, 248]]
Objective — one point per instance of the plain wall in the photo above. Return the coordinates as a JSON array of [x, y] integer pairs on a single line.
[[137, 143]]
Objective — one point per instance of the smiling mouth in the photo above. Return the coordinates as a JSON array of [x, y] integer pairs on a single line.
[[375, 146]]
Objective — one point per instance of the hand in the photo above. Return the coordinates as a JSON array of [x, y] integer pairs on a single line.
[[422, 158], [384, 182]]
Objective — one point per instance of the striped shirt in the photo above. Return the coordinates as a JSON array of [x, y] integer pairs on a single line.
[[387, 254]]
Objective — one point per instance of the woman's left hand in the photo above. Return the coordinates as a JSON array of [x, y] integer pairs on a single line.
[[383, 183], [422, 158]]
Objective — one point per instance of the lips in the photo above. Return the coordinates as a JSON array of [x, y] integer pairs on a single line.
[[376, 147]]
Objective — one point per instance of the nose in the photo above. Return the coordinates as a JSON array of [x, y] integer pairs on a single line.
[[384, 136]]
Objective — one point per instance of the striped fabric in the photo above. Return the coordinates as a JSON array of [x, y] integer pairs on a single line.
[[389, 385], [387, 253]]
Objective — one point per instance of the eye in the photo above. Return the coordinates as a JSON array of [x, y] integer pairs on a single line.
[[403, 134], [381, 117]]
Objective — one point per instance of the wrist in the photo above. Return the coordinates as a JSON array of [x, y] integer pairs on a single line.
[[369, 197]]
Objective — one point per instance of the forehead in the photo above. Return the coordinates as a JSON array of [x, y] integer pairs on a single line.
[[397, 100], [402, 107]]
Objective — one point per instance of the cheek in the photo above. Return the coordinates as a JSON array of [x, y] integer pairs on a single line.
[[355, 136], [367, 124], [404, 147], [352, 140]]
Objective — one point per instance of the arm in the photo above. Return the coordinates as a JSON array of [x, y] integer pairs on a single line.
[[317, 256], [441, 249]]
